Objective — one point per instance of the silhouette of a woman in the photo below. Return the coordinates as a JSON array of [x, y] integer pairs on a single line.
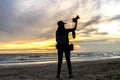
[[63, 46]]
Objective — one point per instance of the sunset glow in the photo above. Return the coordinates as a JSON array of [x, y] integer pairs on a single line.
[[29, 26], [32, 46]]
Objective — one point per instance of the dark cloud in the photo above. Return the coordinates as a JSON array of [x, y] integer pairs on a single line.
[[95, 32], [13, 23], [89, 31], [6, 12], [117, 17], [36, 19], [101, 33], [92, 40], [94, 20]]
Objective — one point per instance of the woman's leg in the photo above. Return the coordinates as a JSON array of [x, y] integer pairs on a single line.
[[67, 55], [60, 57]]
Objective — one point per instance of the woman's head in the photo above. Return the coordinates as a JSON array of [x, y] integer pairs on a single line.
[[60, 23], [61, 27]]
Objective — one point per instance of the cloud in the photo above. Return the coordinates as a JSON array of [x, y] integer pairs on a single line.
[[94, 31], [32, 19], [101, 33], [99, 40], [93, 20], [20, 21], [89, 31], [6, 13], [36, 19], [116, 17]]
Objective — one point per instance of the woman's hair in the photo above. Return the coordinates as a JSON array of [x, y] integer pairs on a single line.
[[61, 28]]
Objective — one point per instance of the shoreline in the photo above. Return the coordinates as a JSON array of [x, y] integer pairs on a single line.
[[27, 64], [53, 62]]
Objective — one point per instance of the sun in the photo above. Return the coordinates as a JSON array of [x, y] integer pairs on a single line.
[[111, 28]]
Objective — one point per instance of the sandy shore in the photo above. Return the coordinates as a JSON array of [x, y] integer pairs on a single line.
[[108, 69]]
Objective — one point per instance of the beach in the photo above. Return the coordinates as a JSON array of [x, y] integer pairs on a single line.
[[104, 69]]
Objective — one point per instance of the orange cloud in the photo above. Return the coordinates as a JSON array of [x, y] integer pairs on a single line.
[[31, 46], [28, 46]]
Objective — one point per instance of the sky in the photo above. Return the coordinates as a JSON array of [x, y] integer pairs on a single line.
[[29, 26]]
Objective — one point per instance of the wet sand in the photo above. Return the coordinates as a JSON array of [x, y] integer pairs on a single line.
[[107, 69]]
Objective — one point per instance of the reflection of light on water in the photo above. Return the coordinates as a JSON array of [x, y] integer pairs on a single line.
[[25, 64], [115, 57]]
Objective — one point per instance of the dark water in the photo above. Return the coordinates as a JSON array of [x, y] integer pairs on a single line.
[[45, 57]]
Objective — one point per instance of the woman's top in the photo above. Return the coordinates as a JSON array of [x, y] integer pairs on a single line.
[[63, 38]]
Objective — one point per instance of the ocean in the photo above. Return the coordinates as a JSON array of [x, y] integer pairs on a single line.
[[52, 57]]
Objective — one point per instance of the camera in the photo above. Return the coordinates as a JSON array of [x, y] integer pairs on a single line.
[[75, 19]]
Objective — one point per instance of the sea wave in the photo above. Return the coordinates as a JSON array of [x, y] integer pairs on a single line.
[[23, 58]]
